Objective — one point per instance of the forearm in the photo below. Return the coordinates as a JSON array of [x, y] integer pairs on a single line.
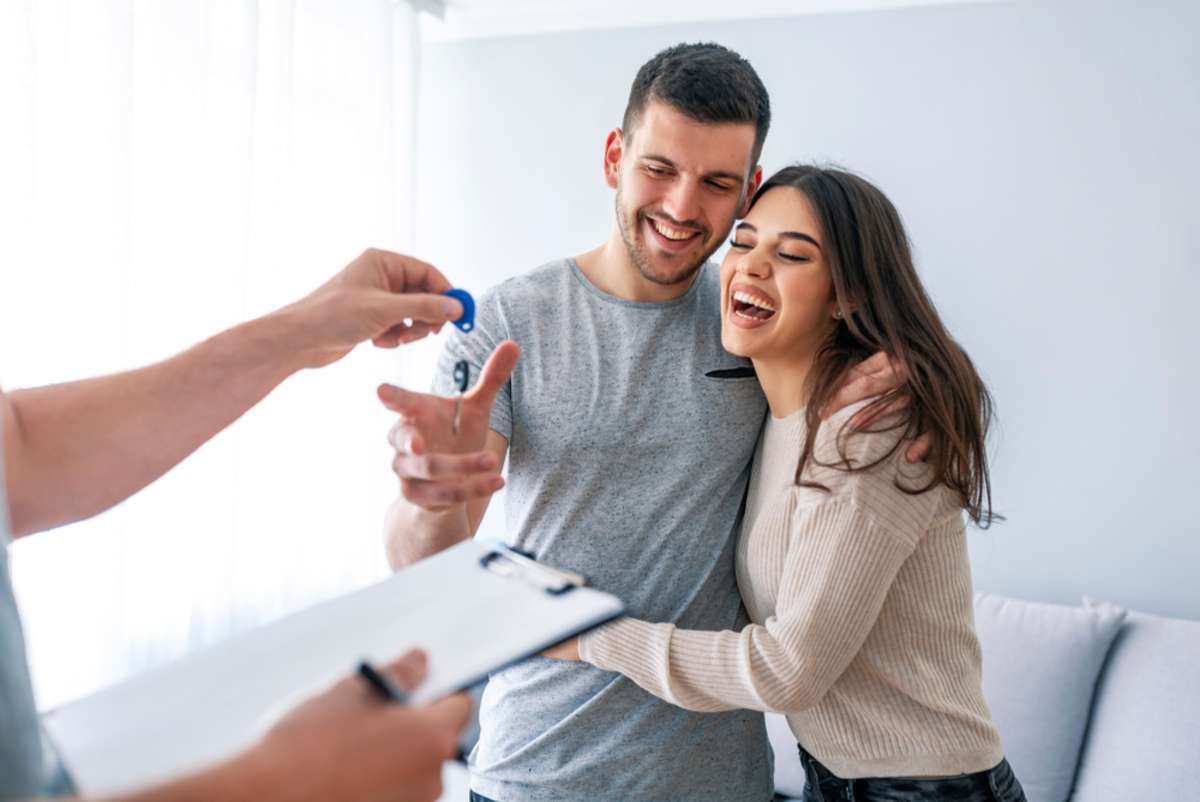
[[697, 670], [833, 586], [252, 777], [74, 450], [412, 533]]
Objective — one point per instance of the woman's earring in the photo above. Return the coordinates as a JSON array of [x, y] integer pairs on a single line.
[[837, 314]]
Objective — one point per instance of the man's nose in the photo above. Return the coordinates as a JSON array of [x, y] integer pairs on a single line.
[[683, 201]]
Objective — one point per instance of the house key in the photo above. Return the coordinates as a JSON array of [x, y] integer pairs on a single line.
[[462, 377]]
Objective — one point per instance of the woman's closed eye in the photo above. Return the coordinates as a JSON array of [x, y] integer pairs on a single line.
[[787, 257]]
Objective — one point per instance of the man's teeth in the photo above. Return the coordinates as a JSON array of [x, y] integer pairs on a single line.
[[671, 233], [747, 298]]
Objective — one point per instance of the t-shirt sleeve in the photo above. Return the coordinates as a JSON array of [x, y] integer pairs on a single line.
[[475, 347], [845, 549]]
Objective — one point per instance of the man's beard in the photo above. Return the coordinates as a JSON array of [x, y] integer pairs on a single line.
[[641, 259]]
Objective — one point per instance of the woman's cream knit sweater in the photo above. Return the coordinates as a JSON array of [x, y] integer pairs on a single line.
[[863, 628]]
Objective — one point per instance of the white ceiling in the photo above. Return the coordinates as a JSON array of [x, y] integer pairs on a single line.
[[471, 19]]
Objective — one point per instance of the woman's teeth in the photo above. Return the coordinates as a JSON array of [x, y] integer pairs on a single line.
[[752, 307], [676, 234], [751, 300]]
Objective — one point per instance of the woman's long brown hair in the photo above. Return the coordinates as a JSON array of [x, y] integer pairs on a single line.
[[885, 307]]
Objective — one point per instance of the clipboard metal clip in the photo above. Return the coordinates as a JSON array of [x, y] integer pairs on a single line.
[[507, 561]]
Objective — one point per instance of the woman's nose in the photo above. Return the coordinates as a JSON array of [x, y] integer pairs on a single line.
[[753, 266]]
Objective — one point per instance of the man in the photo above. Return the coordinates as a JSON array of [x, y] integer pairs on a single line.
[[71, 451], [629, 432]]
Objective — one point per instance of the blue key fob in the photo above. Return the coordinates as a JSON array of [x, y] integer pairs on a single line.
[[465, 323]]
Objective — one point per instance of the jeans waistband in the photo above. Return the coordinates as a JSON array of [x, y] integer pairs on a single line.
[[963, 786]]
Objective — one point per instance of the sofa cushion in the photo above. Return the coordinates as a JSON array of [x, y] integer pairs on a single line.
[[1040, 665], [1143, 739]]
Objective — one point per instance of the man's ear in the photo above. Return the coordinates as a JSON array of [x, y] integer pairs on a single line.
[[614, 148], [751, 187]]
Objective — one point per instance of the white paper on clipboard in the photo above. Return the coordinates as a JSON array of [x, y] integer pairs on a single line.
[[473, 608]]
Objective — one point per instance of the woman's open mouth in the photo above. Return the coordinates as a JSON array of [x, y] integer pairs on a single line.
[[749, 308]]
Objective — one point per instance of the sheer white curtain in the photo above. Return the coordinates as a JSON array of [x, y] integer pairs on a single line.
[[168, 168]]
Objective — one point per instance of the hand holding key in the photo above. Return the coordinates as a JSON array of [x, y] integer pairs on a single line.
[[438, 466]]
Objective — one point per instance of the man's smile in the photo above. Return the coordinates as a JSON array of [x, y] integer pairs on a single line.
[[670, 237]]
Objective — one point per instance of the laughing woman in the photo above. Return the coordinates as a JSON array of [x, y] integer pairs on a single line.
[[852, 563]]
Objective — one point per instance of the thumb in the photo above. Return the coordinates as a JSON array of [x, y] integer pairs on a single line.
[[496, 371], [425, 307], [409, 670]]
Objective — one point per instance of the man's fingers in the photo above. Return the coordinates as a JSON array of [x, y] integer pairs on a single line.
[[920, 449], [440, 466], [405, 441], [846, 395], [422, 307], [403, 334], [859, 389], [873, 364], [409, 670], [865, 417], [410, 274], [438, 494], [404, 402], [496, 371]]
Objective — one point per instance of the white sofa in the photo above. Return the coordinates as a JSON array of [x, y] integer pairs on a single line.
[[1094, 703]]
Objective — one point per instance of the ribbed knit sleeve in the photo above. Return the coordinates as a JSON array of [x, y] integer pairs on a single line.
[[841, 551]]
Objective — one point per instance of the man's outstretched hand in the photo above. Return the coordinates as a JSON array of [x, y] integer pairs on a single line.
[[437, 468]]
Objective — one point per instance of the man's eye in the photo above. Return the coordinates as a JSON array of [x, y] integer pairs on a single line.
[[656, 170], [717, 185]]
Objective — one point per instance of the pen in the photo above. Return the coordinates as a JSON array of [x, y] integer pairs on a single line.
[[386, 689]]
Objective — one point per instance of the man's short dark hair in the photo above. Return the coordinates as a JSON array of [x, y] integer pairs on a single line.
[[705, 81]]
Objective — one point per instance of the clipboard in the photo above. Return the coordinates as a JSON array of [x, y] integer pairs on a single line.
[[474, 608]]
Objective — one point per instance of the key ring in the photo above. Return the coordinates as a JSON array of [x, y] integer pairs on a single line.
[[462, 378]]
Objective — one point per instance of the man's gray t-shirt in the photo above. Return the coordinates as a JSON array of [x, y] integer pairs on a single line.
[[20, 735], [628, 464]]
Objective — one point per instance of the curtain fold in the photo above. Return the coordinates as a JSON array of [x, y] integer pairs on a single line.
[[169, 169]]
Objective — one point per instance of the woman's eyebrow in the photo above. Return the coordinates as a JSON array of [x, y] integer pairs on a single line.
[[782, 234], [798, 235]]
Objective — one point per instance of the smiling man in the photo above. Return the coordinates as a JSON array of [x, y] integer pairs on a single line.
[[628, 462]]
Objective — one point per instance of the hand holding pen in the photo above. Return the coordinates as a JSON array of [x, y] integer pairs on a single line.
[[397, 750]]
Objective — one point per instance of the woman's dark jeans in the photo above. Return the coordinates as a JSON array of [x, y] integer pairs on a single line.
[[996, 785]]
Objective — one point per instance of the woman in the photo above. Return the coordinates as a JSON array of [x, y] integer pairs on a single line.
[[852, 563]]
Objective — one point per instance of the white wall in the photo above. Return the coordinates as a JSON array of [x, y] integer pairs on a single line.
[[1044, 156]]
